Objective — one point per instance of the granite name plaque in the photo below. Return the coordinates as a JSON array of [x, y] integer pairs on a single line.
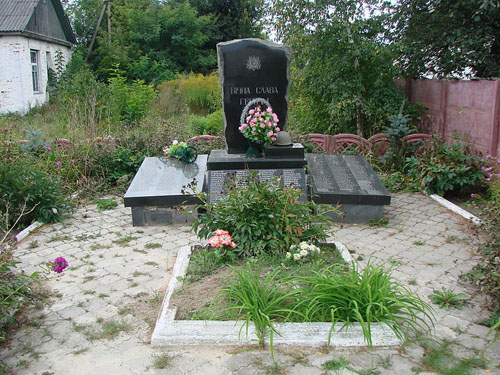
[[161, 181], [219, 180], [250, 69], [345, 179], [221, 159]]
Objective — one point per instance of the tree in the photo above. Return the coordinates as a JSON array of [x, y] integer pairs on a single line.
[[448, 38], [232, 19], [342, 75], [150, 39]]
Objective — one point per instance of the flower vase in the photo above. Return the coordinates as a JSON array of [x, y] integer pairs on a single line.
[[255, 149]]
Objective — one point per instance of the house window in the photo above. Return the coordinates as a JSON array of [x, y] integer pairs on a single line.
[[35, 69]]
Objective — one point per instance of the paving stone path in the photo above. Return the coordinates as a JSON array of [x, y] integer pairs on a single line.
[[101, 311]]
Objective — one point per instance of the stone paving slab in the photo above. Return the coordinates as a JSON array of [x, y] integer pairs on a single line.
[[118, 274]]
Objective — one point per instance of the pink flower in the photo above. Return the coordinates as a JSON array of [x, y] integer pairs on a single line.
[[252, 111], [84, 178], [277, 130], [498, 175], [262, 125], [489, 156], [248, 118], [59, 264], [72, 161], [269, 110], [59, 164], [270, 134], [473, 195], [220, 232], [49, 148]]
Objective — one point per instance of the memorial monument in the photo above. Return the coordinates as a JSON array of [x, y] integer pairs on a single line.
[[254, 70]]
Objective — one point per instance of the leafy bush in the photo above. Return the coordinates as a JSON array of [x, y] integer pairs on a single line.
[[212, 124], [130, 101], [445, 168], [15, 289], [262, 217], [29, 192]]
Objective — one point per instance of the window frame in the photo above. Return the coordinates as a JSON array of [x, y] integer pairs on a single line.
[[35, 71]]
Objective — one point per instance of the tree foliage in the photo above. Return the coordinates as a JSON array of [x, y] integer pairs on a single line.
[[448, 37], [343, 73], [232, 19], [150, 39]]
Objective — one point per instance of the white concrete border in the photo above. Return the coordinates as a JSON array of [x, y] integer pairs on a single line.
[[458, 210], [169, 331]]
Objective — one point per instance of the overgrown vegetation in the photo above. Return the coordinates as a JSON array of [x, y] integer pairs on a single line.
[[262, 217]]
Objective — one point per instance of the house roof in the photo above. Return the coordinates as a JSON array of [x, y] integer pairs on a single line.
[[15, 17], [15, 14]]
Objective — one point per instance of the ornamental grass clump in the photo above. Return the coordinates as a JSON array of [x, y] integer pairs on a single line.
[[365, 297], [257, 298], [262, 217]]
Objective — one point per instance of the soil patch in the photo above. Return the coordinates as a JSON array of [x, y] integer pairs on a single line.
[[194, 296]]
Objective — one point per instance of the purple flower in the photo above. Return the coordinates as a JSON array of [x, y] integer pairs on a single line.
[[49, 148], [84, 178], [5, 129], [60, 264], [59, 164], [72, 161], [473, 195]]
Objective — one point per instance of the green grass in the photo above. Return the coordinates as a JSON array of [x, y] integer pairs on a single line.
[[335, 364], [439, 358], [447, 298], [152, 245], [419, 243], [162, 361], [106, 204], [123, 241]]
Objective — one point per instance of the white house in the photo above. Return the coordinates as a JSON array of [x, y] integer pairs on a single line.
[[34, 35]]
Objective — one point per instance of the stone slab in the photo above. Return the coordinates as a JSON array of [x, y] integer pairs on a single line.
[[160, 181], [346, 180], [218, 180], [222, 160], [142, 216], [249, 69], [357, 214], [296, 151]]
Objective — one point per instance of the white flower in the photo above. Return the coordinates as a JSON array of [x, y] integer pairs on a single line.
[[175, 142], [296, 256], [303, 252], [288, 255], [304, 245]]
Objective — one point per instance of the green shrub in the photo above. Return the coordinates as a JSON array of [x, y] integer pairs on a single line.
[[212, 124], [445, 168], [29, 192], [15, 289], [130, 101], [262, 217]]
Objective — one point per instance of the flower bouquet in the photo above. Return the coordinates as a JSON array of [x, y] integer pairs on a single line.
[[181, 151], [258, 125]]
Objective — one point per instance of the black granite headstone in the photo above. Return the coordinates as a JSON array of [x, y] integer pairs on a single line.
[[249, 69], [218, 180], [345, 179]]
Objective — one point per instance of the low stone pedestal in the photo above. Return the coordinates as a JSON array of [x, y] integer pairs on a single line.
[[347, 180], [162, 184]]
